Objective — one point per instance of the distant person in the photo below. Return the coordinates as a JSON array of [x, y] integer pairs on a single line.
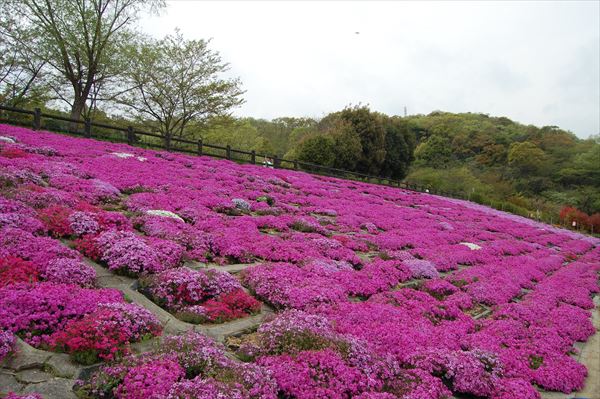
[[268, 163]]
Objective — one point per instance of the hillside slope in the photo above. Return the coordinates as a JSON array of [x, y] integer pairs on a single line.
[[376, 292]]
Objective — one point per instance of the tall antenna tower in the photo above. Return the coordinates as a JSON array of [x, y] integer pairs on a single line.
[[405, 111]]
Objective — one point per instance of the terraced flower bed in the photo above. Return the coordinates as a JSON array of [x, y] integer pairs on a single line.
[[203, 296], [345, 289]]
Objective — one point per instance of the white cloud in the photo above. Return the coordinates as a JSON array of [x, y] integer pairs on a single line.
[[535, 62]]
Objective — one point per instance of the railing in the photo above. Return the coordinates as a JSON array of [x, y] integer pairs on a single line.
[[90, 129]]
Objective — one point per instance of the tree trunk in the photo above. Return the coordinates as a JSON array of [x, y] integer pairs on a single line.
[[76, 112], [77, 108]]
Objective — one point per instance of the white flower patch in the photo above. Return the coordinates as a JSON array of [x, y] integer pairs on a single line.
[[7, 139], [141, 159], [472, 247], [165, 214]]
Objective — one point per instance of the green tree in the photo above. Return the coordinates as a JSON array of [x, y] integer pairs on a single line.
[[279, 130], [176, 83], [21, 76], [318, 149], [400, 145], [526, 158], [434, 152], [347, 145], [369, 128], [459, 179], [79, 41], [238, 133], [491, 155]]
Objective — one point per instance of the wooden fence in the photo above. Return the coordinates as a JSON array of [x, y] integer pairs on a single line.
[[135, 137]]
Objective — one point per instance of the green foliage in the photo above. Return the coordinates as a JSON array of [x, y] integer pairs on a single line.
[[280, 131], [86, 357], [458, 179], [526, 158], [524, 169], [347, 145], [77, 42], [434, 152], [177, 83], [361, 140], [239, 134], [318, 149], [266, 198], [399, 145], [371, 132]]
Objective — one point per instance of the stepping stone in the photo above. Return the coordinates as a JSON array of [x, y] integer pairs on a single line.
[[32, 376], [234, 268], [222, 331], [61, 365], [145, 346], [26, 357], [113, 281], [8, 383], [56, 388]]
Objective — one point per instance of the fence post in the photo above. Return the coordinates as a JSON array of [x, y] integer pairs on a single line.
[[253, 157], [228, 152], [276, 161], [199, 147], [37, 119], [295, 164], [87, 132], [130, 135]]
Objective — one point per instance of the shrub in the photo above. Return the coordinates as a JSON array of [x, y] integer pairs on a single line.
[[200, 296], [7, 342], [35, 312], [105, 334], [16, 270]]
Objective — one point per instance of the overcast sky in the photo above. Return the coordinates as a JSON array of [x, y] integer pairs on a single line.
[[534, 62]]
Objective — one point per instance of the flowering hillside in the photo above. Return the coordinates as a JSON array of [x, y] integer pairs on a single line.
[[360, 291]]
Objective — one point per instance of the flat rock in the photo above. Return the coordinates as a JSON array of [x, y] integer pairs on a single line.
[[113, 281], [26, 357], [61, 365], [233, 268], [8, 383], [56, 388], [145, 346], [221, 331], [170, 324], [32, 376]]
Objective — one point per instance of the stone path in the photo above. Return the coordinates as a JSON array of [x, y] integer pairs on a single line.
[[33, 370]]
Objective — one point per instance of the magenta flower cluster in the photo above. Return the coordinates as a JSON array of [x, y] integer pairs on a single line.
[[380, 293], [7, 342], [35, 312], [128, 253], [206, 295], [188, 366]]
